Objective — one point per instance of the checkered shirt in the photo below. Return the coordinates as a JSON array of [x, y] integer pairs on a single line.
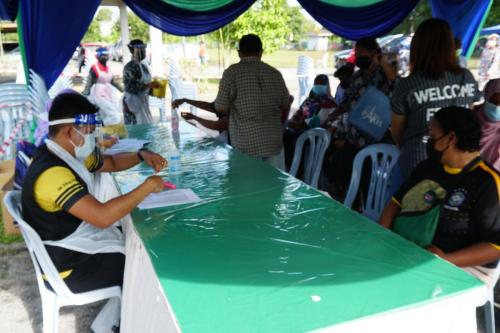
[[253, 93]]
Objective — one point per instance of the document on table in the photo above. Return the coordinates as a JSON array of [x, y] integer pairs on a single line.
[[126, 146], [169, 198]]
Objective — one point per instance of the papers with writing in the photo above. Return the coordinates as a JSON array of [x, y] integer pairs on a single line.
[[169, 198], [126, 146]]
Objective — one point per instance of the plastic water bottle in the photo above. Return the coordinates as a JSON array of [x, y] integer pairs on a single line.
[[175, 120], [174, 161]]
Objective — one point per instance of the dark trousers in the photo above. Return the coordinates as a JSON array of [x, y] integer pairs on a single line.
[[100, 270]]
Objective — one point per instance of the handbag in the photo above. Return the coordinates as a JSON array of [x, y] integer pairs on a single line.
[[372, 114], [421, 208]]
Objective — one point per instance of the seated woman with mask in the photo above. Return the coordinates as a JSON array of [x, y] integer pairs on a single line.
[[450, 204], [313, 112]]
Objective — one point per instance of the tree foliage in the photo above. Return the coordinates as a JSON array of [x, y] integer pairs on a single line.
[[138, 29], [93, 33], [494, 15], [419, 14], [269, 19]]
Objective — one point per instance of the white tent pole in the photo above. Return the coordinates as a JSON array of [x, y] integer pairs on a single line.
[[125, 31], [155, 36]]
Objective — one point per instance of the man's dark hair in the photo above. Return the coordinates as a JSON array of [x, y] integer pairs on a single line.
[[464, 123], [133, 43], [68, 105], [369, 44], [250, 45], [345, 70]]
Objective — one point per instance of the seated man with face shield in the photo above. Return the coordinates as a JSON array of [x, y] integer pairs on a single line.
[[71, 202]]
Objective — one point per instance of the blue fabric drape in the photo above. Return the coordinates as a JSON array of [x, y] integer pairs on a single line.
[[8, 9], [51, 31], [465, 17], [357, 22], [182, 22]]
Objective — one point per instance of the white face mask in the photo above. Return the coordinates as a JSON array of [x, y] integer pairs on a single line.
[[88, 147]]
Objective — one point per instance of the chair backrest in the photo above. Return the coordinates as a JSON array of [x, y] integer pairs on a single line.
[[318, 139], [305, 66], [38, 253], [188, 90], [383, 159]]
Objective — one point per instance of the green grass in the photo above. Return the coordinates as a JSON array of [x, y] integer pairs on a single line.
[[8, 239]]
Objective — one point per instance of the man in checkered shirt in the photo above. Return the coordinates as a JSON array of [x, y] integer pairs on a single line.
[[254, 94]]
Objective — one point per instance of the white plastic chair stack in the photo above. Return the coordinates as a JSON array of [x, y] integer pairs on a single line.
[[15, 108], [60, 295], [179, 88], [38, 96], [174, 79], [155, 102], [305, 70], [62, 82], [188, 90]]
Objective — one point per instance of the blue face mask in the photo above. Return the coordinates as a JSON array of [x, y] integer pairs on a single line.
[[320, 90], [492, 111]]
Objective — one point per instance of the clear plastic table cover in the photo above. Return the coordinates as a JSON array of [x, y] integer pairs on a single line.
[[265, 252]]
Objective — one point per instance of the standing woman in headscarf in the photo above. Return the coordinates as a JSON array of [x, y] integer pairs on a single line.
[[489, 117], [99, 89], [490, 58], [137, 81]]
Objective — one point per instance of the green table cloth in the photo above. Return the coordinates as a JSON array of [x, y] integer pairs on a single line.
[[264, 252]]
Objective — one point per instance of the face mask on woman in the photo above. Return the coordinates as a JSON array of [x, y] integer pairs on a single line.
[[432, 152], [492, 111], [319, 89], [363, 62]]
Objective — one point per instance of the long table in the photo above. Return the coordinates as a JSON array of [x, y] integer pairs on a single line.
[[264, 252]]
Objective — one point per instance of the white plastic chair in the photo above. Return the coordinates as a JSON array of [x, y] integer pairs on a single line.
[[318, 139], [383, 159], [60, 296], [489, 300], [305, 69]]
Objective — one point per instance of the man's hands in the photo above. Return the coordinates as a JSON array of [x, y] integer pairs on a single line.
[[187, 115], [437, 251], [154, 184], [178, 102], [154, 160]]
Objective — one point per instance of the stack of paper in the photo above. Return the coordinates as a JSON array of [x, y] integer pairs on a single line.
[[169, 198], [125, 146]]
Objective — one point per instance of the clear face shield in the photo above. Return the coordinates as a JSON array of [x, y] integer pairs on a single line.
[[89, 127], [139, 51]]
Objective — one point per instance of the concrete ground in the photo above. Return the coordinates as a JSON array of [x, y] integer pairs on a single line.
[[21, 306]]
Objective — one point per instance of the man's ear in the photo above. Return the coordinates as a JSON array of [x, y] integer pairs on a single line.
[[65, 131], [453, 140]]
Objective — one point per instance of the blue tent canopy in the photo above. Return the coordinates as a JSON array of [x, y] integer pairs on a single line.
[[51, 30], [491, 30]]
